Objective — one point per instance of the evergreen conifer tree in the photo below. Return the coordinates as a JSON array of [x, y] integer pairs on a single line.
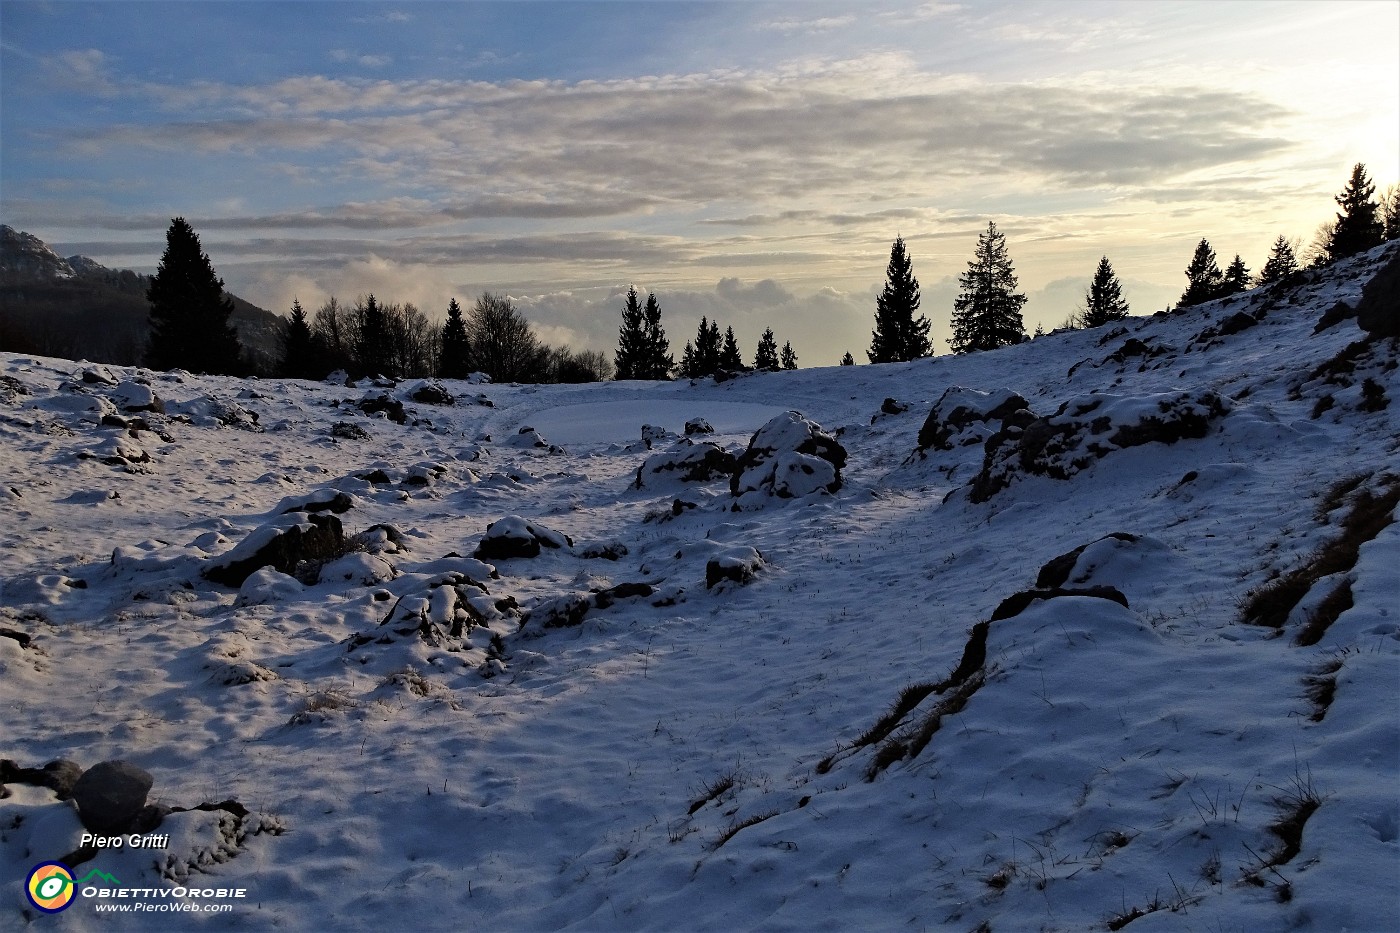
[[1103, 302], [767, 355], [454, 354], [713, 347], [1237, 278], [373, 343], [630, 359], [899, 336], [658, 361], [1281, 262], [1390, 213], [708, 346], [789, 358], [848, 360], [987, 312], [298, 347], [1204, 280], [189, 310], [689, 366], [730, 359], [1359, 225]]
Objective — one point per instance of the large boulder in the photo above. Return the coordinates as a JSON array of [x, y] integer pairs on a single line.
[[736, 564], [513, 536], [1086, 429], [685, 462], [789, 457], [281, 544], [1378, 313], [527, 438], [111, 795], [209, 412], [429, 392], [380, 403], [654, 435], [132, 396], [962, 417]]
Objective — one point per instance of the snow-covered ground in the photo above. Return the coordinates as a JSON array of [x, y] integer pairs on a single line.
[[674, 756]]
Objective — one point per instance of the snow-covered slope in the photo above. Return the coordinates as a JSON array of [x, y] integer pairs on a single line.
[[795, 709]]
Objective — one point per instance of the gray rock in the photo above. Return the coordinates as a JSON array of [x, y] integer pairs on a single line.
[[111, 795], [1378, 313]]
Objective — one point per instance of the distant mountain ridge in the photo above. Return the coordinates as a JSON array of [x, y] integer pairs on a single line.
[[76, 307]]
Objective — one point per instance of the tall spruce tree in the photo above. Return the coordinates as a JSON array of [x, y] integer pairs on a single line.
[[374, 340], [730, 360], [1204, 280], [454, 352], [789, 358], [298, 346], [630, 358], [710, 349], [1103, 302], [767, 355], [899, 336], [705, 354], [689, 368], [189, 311], [658, 361], [1237, 278], [1280, 264], [1359, 226], [987, 312]]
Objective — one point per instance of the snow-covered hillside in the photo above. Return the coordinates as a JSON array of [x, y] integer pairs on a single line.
[[781, 686]]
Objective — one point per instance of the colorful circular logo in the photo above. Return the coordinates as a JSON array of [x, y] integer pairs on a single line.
[[50, 886]]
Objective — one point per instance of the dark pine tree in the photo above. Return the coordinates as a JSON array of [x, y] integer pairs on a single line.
[[848, 360], [1103, 302], [454, 352], [689, 366], [1204, 280], [374, 341], [658, 361], [1280, 264], [899, 336], [713, 347], [708, 346], [1359, 226], [298, 346], [189, 310], [767, 355], [789, 358], [630, 358], [987, 311], [730, 360], [1237, 278]]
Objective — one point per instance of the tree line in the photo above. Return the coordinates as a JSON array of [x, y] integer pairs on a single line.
[[189, 315], [987, 311], [189, 328], [372, 338]]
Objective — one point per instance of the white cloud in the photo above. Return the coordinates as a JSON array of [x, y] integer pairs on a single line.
[[369, 61], [821, 24], [935, 9]]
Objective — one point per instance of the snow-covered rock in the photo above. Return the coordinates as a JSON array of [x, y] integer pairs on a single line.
[[513, 536], [788, 458]]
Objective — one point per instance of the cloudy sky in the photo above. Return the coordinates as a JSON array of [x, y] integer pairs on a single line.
[[748, 161]]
